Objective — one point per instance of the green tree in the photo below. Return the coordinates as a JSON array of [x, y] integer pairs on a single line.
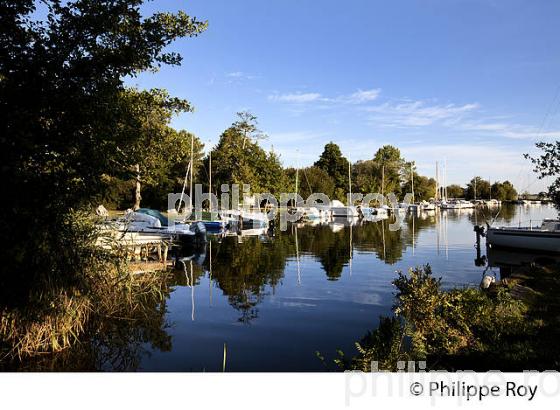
[[424, 187], [366, 177], [336, 166], [482, 189], [237, 159], [157, 149], [311, 180], [247, 125], [172, 168], [503, 191], [455, 191], [391, 169], [64, 127]]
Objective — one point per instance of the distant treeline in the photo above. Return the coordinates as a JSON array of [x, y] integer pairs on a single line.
[[239, 159]]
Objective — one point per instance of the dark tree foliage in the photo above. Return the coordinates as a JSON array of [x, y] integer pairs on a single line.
[[63, 123], [455, 191], [238, 159], [482, 189], [333, 163]]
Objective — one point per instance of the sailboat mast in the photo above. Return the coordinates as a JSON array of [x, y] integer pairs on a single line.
[[383, 180], [475, 188], [412, 180], [297, 180], [437, 181], [192, 167], [350, 182], [210, 178], [445, 179]]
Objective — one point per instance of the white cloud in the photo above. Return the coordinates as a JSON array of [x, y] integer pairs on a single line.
[[362, 96], [296, 97], [358, 97], [515, 131], [240, 75], [418, 113]]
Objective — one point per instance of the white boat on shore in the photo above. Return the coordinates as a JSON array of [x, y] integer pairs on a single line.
[[545, 237]]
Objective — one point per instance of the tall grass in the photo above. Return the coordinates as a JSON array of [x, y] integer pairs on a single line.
[[86, 291]]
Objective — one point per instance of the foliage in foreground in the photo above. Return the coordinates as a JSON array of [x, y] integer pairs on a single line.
[[104, 296], [68, 123], [458, 329]]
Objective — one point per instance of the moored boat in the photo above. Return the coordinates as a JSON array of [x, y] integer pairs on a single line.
[[151, 221], [545, 237]]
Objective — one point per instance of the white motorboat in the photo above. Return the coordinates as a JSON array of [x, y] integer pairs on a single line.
[[151, 222], [313, 214], [245, 219], [427, 206], [338, 209], [367, 212], [450, 205], [545, 237], [466, 204]]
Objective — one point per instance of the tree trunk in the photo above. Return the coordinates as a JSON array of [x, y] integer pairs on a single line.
[[137, 196]]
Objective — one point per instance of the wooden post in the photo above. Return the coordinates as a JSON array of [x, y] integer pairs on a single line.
[[137, 197]]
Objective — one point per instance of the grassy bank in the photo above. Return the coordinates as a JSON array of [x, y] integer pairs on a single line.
[[90, 296], [512, 326]]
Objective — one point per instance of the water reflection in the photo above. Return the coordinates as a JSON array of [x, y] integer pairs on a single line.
[[275, 299], [247, 270]]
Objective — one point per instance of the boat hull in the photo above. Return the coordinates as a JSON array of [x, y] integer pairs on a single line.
[[538, 240]]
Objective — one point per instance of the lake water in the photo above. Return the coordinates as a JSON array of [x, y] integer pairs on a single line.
[[275, 301]]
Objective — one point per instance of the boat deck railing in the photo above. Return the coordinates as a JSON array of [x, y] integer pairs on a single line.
[[527, 224]]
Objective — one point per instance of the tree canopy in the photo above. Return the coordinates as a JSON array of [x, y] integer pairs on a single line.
[[336, 166], [482, 189], [237, 159], [66, 122]]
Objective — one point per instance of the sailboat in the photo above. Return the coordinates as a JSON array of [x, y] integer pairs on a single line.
[[309, 213], [338, 209]]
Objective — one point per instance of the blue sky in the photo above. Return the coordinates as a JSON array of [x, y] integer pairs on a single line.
[[472, 82]]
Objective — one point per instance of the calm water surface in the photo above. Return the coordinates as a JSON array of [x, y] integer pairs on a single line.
[[274, 301]]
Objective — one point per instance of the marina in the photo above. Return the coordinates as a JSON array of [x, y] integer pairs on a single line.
[[307, 289]]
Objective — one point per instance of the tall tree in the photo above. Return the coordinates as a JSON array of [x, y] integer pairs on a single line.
[[64, 126], [336, 166], [247, 125], [391, 169], [504, 191], [237, 159], [312, 180], [366, 177], [478, 188], [155, 147], [424, 187], [455, 191]]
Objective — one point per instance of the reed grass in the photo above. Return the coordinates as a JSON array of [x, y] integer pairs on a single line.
[[58, 317]]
